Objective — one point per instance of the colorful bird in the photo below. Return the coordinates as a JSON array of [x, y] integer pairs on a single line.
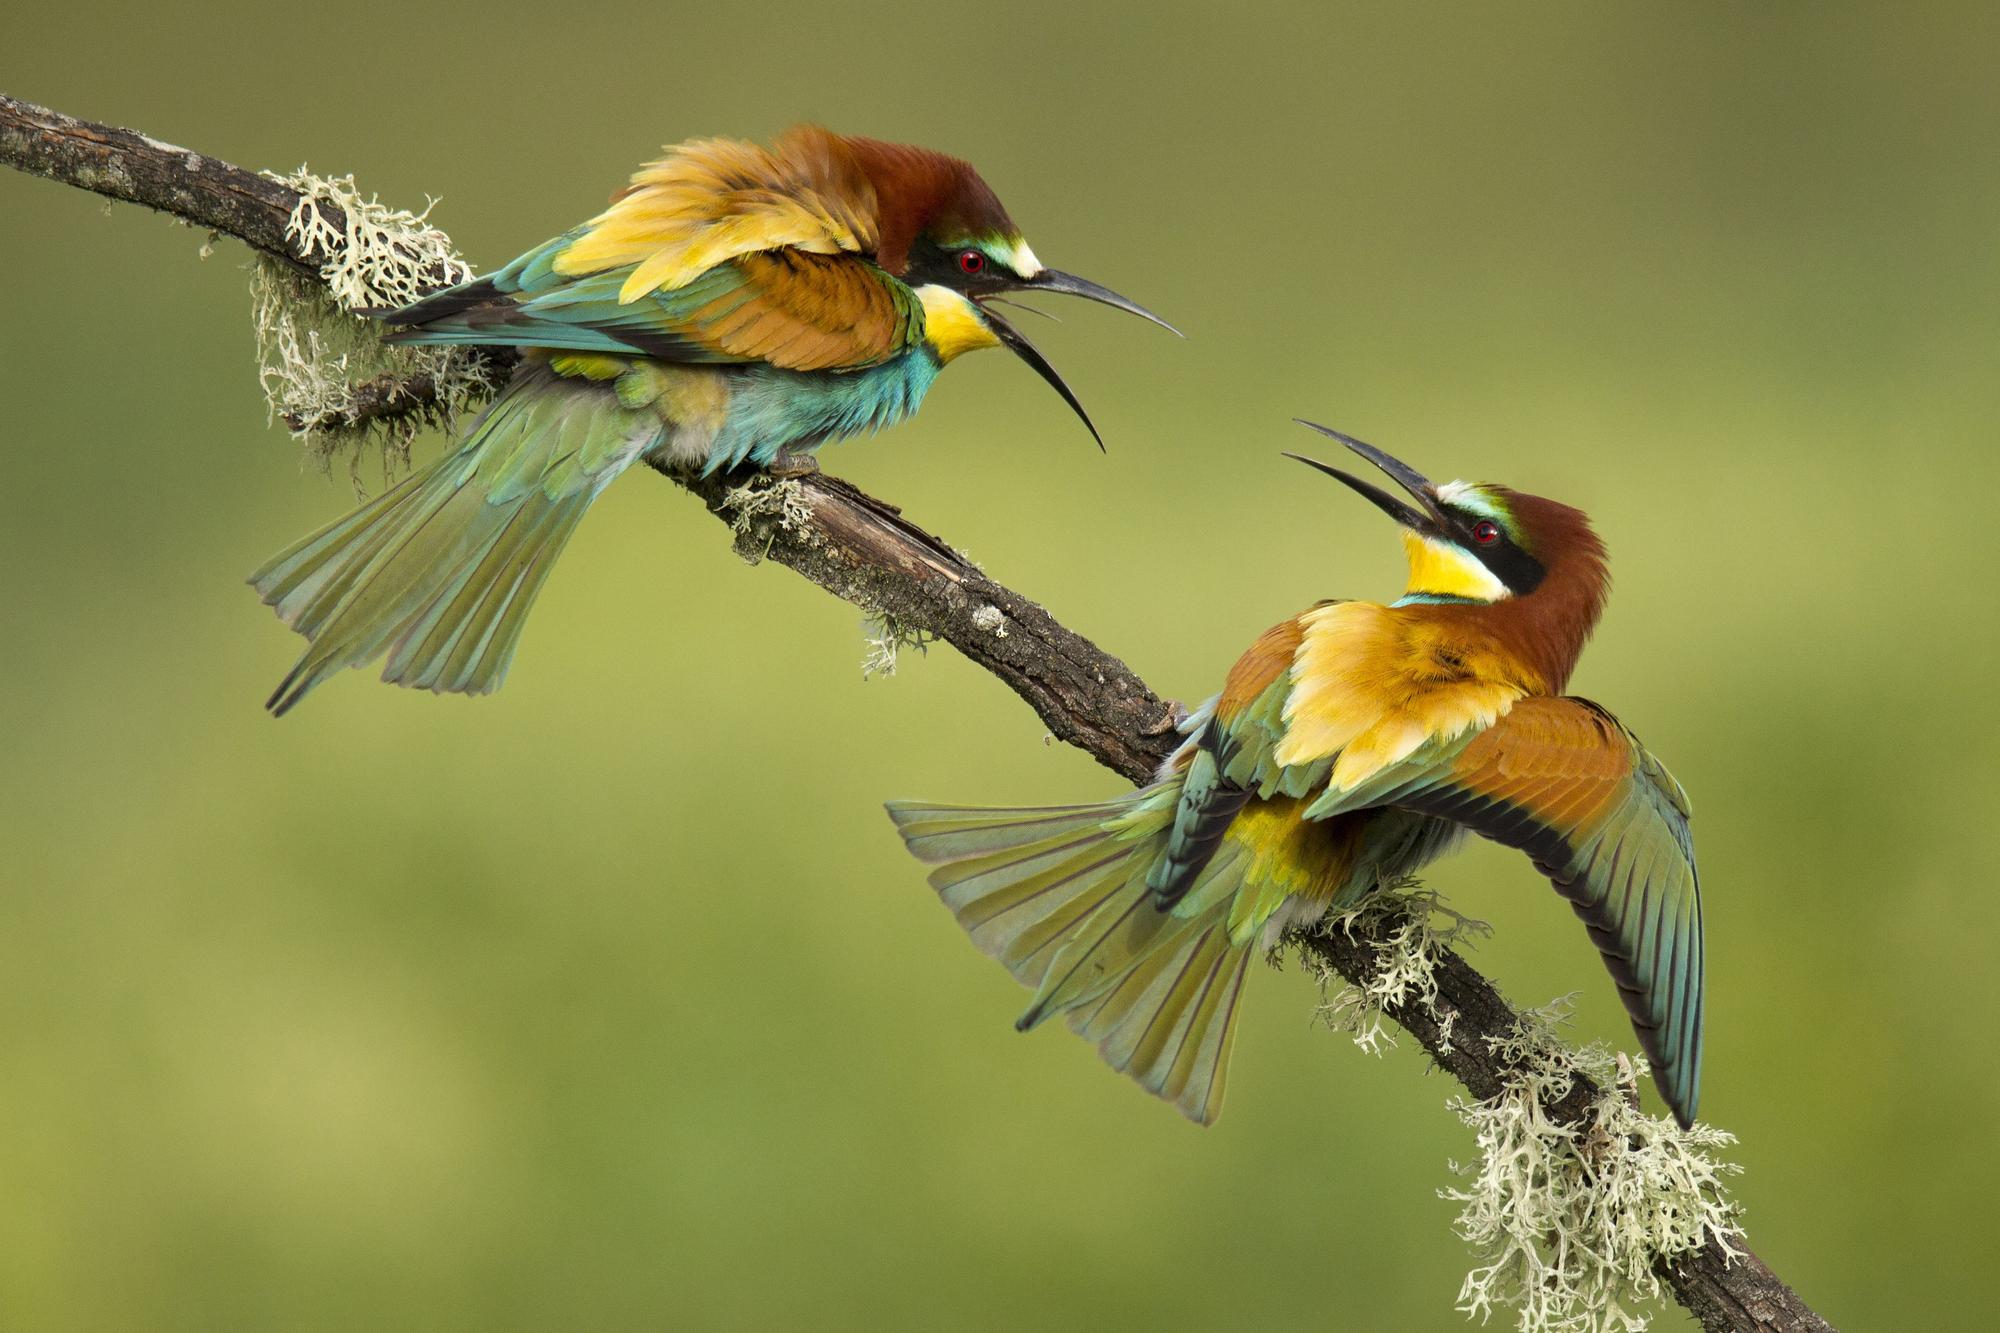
[[1350, 746], [734, 306]]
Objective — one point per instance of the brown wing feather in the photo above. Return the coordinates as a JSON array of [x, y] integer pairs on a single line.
[[1563, 780], [1267, 659], [1568, 742], [803, 311]]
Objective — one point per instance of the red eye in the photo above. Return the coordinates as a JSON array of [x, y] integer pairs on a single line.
[[971, 262], [1486, 532]]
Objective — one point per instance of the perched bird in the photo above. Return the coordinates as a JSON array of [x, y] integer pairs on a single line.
[[1350, 746], [734, 306]]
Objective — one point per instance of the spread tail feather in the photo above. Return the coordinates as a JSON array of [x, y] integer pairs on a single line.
[[439, 572], [1058, 895]]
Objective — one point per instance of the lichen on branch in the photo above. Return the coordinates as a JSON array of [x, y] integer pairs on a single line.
[[1409, 929], [323, 366], [1571, 1220], [884, 637]]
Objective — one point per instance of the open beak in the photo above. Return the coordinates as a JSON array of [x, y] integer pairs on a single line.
[[1429, 520], [1053, 280], [1018, 344]]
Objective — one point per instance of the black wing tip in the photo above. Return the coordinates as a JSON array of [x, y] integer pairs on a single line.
[[294, 687], [441, 305], [1682, 1094]]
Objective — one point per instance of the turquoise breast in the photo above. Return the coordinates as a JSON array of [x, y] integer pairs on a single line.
[[772, 410]]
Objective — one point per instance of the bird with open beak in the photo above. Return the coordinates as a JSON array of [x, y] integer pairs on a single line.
[[735, 306], [1350, 746]]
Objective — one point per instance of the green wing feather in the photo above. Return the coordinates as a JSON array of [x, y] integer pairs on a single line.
[[1230, 760], [797, 310]]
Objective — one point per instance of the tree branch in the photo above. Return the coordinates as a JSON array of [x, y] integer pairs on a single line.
[[864, 551]]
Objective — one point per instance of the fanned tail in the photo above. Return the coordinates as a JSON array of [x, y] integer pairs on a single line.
[[1058, 895], [439, 572]]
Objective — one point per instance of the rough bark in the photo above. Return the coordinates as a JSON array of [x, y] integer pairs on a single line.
[[863, 550]]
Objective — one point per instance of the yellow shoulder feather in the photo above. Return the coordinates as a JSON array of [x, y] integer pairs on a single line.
[[1371, 684], [710, 200]]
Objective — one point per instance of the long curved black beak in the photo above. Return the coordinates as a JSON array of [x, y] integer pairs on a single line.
[[1055, 280], [1428, 520], [1067, 284], [1019, 345]]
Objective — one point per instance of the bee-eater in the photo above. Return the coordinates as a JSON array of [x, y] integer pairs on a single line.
[[1350, 746], [734, 306]]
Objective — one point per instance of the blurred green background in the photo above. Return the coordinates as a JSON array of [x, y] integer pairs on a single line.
[[611, 1001]]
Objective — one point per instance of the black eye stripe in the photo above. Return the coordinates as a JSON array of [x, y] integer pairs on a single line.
[[956, 265], [1490, 542]]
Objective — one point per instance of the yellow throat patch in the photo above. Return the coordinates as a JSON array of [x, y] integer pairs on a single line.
[[1444, 570], [952, 324]]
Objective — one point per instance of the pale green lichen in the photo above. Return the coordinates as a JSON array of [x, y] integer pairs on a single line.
[[884, 638], [1409, 929], [1567, 1220], [782, 499], [314, 348]]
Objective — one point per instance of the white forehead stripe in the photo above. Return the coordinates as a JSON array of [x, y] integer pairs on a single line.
[[1465, 495], [1022, 260]]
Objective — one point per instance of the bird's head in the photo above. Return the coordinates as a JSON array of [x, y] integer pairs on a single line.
[[943, 231], [1484, 543]]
